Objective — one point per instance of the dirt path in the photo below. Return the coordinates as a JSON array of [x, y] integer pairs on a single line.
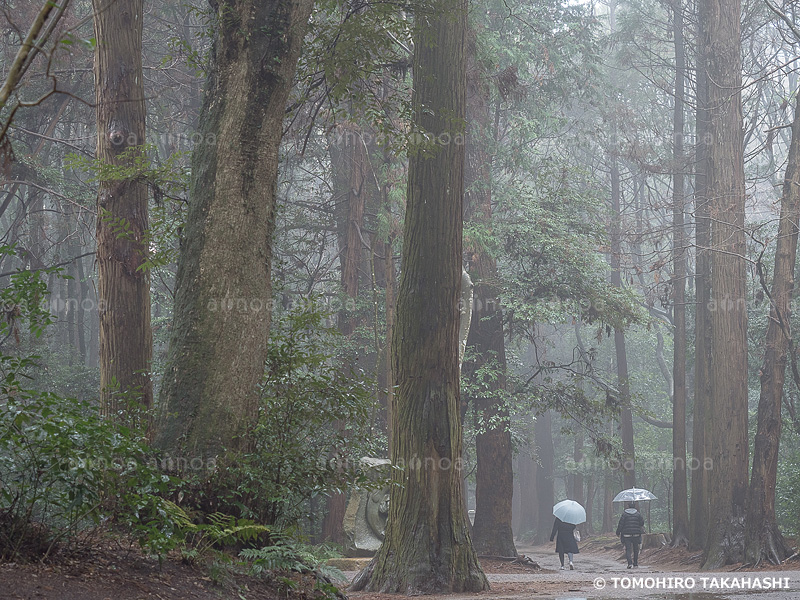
[[598, 574]]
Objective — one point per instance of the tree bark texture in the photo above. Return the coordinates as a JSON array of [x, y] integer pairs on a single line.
[[726, 194], [428, 547], [680, 492], [223, 298], [126, 339], [699, 511]]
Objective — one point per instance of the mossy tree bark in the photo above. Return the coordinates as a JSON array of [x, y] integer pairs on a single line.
[[223, 298], [126, 341], [428, 547], [763, 537], [728, 450]]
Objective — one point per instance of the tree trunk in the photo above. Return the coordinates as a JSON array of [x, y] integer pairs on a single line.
[[763, 538], [608, 506], [628, 464], [428, 547], [528, 511], [680, 493], [545, 492], [349, 162], [726, 193], [577, 478], [590, 494], [223, 290], [494, 481], [126, 340], [698, 523], [391, 282], [84, 306]]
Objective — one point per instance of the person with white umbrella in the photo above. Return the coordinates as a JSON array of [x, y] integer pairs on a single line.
[[568, 514]]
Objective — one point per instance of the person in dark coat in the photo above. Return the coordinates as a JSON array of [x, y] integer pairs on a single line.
[[630, 529], [565, 543]]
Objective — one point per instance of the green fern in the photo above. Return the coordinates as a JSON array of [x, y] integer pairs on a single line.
[[289, 555], [221, 529]]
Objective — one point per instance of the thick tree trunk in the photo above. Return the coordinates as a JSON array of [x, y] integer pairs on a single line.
[[726, 193], [628, 462], [763, 538], [126, 340], [428, 547], [223, 299], [698, 516], [491, 533], [391, 283], [680, 493]]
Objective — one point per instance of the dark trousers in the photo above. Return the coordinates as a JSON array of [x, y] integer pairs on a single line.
[[631, 544]]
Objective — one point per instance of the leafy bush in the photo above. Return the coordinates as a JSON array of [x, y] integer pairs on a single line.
[[311, 429], [64, 471]]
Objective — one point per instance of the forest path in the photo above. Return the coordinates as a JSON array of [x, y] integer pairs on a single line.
[[599, 574]]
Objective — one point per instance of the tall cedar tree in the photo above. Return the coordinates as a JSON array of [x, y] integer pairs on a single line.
[[350, 169], [494, 480], [222, 304], [126, 340], [428, 547], [628, 462], [728, 451], [763, 538], [680, 493], [698, 514]]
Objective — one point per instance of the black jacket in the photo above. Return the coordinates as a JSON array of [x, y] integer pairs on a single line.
[[631, 523], [566, 538]]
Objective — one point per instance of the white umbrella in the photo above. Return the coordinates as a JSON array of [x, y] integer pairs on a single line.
[[634, 495], [570, 511]]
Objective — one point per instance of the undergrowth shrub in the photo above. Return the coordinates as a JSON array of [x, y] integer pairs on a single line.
[[64, 472], [311, 431]]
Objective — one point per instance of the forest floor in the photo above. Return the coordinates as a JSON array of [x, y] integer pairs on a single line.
[[112, 573], [600, 572]]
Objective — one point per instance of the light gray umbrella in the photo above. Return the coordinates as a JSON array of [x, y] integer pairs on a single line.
[[570, 511], [634, 495]]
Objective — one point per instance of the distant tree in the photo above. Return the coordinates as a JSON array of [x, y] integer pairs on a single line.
[[126, 339], [485, 368], [222, 302], [428, 547]]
